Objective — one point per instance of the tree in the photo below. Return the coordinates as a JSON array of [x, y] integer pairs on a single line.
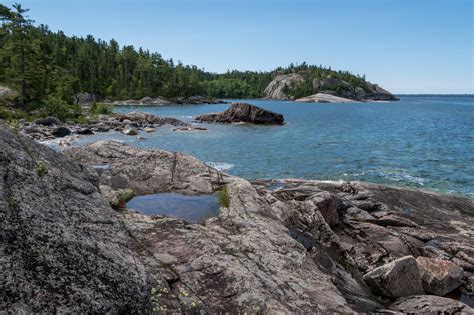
[[22, 54]]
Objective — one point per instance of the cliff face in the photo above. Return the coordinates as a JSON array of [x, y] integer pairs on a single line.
[[62, 248], [329, 85], [275, 89]]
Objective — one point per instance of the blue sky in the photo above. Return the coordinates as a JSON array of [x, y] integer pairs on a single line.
[[407, 46]]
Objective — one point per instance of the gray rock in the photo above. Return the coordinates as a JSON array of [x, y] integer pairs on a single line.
[[85, 98], [398, 278], [275, 89], [130, 132], [324, 98], [439, 276], [244, 113], [61, 132], [430, 304], [62, 248], [326, 203], [7, 94]]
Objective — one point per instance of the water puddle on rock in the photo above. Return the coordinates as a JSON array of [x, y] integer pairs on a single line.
[[193, 209]]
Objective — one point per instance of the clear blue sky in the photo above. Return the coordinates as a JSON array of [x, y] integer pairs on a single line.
[[407, 46]]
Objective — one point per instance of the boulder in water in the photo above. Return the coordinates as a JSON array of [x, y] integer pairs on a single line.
[[244, 113]]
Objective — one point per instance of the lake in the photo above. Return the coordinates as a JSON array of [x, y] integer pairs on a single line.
[[420, 141]]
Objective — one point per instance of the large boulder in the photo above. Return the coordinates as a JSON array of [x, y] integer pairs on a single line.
[[430, 304], [275, 90], [244, 113], [62, 248], [61, 132], [398, 278], [439, 276]]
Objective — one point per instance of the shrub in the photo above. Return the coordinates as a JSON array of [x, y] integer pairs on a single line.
[[223, 196], [41, 169], [55, 106], [101, 109], [124, 196]]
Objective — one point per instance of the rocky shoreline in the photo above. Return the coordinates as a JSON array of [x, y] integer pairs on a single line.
[[192, 100], [50, 128], [280, 246]]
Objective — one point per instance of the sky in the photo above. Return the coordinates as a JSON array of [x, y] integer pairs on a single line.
[[406, 46]]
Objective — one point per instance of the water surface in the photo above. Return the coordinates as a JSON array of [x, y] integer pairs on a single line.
[[193, 209], [421, 141]]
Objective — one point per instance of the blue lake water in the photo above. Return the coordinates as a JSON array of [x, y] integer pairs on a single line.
[[421, 141], [193, 209]]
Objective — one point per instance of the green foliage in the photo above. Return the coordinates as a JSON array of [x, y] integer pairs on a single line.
[[223, 196], [101, 109], [41, 169], [42, 64], [124, 196], [55, 106], [14, 125]]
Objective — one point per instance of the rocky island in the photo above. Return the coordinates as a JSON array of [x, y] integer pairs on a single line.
[[244, 113], [291, 246], [325, 89]]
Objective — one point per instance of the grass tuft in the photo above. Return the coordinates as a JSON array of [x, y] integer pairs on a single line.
[[223, 196]]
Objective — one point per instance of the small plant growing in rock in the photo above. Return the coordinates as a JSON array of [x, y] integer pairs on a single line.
[[14, 124], [41, 169], [124, 196], [223, 196]]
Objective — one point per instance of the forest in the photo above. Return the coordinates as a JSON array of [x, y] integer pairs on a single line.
[[48, 67]]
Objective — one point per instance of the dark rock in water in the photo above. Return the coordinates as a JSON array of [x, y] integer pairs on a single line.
[[61, 132], [398, 278], [48, 121], [62, 248], [85, 131], [130, 132], [244, 113]]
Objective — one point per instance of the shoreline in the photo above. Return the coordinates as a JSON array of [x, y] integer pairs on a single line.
[[348, 247]]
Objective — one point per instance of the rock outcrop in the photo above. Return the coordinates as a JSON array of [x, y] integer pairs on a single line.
[[86, 98], [7, 94], [324, 98], [62, 248], [192, 100], [398, 278], [281, 86], [439, 276], [49, 128], [292, 246], [275, 90], [430, 304], [244, 113]]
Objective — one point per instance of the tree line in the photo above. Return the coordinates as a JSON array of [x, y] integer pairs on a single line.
[[46, 66]]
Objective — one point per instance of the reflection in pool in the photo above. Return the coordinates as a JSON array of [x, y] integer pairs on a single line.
[[193, 209]]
